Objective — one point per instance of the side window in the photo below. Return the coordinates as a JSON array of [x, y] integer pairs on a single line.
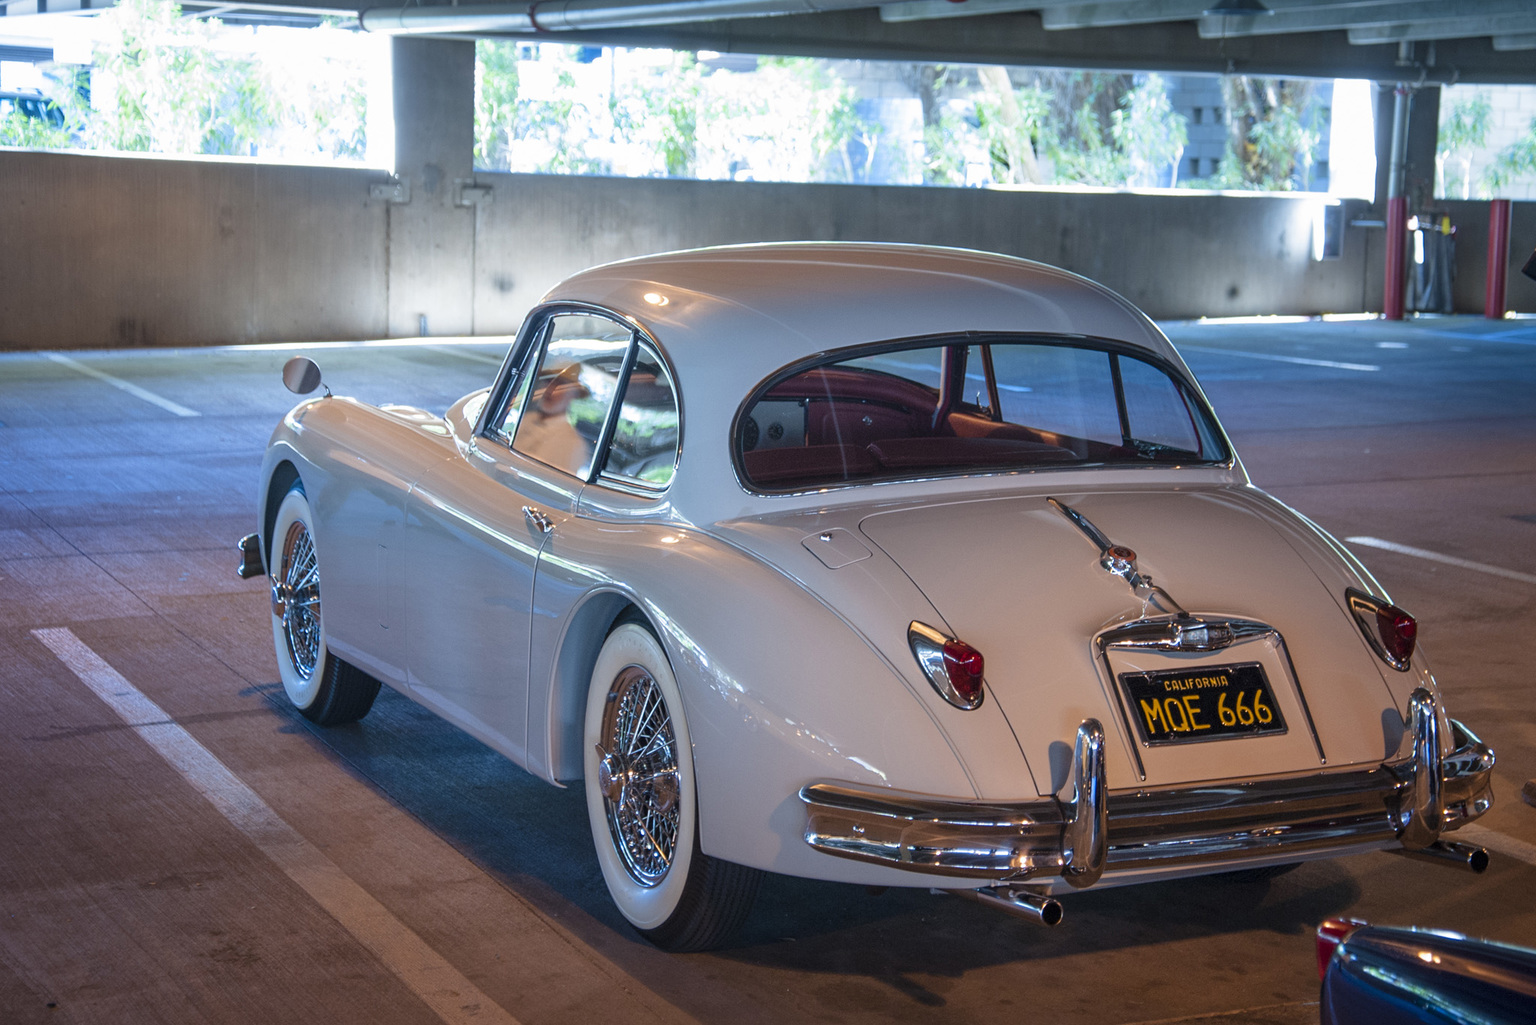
[[563, 400], [644, 445]]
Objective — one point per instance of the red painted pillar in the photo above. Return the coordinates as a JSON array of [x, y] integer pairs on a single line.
[[1397, 238], [1498, 259]]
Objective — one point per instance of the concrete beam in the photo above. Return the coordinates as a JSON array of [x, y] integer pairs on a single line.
[[1468, 27], [1312, 18], [1515, 41], [1021, 39]]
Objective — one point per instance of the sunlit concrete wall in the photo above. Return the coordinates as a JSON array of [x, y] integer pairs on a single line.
[[1173, 254], [108, 251]]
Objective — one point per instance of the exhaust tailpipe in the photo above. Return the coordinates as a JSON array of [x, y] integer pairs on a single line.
[[1448, 852], [1023, 903]]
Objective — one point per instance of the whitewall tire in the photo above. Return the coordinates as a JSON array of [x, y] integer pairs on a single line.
[[642, 805], [323, 688]]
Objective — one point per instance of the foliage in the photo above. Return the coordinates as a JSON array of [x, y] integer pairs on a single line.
[[164, 83], [495, 101], [1272, 135], [1088, 128], [1149, 134], [19, 129], [1514, 162], [1463, 132]]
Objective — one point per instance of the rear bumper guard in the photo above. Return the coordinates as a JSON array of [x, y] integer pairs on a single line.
[[1407, 803]]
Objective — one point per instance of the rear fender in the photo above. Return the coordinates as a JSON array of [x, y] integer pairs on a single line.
[[777, 691]]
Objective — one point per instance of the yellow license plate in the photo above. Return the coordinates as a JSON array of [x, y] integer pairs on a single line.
[[1209, 703]]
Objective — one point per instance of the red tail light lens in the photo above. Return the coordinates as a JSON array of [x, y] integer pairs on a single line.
[[1330, 934], [964, 666], [954, 668], [1398, 631], [1391, 632]]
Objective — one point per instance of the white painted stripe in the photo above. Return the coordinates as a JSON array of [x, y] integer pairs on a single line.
[[1363, 367], [127, 386], [1449, 560], [477, 357], [1497, 842], [442, 987]]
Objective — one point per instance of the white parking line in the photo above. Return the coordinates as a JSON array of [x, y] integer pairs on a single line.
[[1449, 560], [440, 986], [476, 357], [127, 386], [1362, 367]]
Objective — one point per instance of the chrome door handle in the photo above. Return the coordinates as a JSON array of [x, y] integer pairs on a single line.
[[539, 521]]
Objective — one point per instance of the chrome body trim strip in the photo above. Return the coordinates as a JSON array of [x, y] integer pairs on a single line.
[[1204, 824]]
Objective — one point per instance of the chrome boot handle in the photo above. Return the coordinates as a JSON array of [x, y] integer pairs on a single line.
[[537, 520]]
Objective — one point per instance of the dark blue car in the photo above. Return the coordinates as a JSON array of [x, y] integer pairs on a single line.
[[1386, 975]]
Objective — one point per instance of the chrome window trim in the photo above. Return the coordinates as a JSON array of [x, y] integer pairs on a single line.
[[634, 485], [1093, 343]]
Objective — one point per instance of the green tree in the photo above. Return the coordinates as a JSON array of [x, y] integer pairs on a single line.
[[1149, 134], [1463, 132], [495, 103], [1514, 162], [1272, 135], [169, 90]]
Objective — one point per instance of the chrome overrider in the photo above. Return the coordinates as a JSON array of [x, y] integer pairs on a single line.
[[1405, 803]]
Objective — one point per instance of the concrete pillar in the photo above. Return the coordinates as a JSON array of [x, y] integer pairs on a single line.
[[431, 235]]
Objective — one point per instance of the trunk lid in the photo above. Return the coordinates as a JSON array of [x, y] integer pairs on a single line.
[[1015, 578]]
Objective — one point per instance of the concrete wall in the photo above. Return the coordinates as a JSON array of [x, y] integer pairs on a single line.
[[108, 251]]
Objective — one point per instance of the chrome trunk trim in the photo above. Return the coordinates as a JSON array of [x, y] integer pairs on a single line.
[[1212, 824]]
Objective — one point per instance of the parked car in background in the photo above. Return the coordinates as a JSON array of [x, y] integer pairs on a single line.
[[881, 564], [1385, 975], [32, 105]]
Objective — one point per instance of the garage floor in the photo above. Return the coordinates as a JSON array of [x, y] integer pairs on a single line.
[[176, 846]]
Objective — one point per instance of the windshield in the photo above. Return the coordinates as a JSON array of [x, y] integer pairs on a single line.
[[969, 406]]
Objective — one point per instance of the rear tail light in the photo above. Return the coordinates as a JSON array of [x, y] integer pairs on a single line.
[[1330, 934], [1391, 632], [955, 669]]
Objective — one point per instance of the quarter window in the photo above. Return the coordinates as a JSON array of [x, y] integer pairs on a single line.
[[645, 436]]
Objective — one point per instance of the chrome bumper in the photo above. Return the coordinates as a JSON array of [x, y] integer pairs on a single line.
[[1406, 803]]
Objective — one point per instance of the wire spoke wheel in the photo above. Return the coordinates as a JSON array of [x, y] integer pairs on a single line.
[[639, 776], [325, 689], [299, 585]]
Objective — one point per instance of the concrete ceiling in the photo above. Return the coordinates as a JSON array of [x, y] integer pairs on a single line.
[[1486, 41]]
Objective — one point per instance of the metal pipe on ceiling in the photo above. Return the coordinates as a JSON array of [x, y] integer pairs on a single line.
[[567, 15]]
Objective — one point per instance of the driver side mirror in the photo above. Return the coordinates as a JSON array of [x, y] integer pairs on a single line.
[[301, 375]]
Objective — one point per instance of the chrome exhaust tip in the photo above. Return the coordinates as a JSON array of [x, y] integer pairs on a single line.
[[1023, 903], [1460, 855]]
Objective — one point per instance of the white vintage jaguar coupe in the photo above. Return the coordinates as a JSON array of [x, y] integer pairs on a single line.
[[883, 564]]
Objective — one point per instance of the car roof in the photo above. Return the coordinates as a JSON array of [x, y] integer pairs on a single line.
[[759, 307], [729, 317]]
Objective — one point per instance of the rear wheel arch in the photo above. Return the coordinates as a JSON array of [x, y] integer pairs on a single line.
[[589, 627]]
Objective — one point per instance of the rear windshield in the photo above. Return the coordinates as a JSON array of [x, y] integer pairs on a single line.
[[968, 406]]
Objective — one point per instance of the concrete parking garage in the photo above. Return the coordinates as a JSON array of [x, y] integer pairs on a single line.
[[398, 871]]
